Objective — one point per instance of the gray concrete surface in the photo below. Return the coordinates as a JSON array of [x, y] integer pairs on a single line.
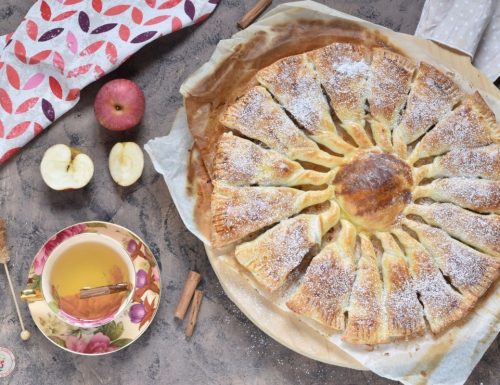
[[226, 348]]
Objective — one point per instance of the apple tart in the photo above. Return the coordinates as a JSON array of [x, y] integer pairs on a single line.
[[363, 188]]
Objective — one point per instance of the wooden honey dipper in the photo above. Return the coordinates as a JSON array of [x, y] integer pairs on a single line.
[[4, 258]]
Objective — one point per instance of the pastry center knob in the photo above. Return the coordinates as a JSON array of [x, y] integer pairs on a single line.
[[373, 188]]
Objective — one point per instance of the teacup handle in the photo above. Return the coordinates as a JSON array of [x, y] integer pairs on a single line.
[[31, 295]]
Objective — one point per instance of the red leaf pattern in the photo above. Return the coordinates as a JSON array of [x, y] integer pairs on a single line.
[[156, 20], [176, 24], [37, 128], [27, 105], [32, 29], [73, 94], [12, 76], [45, 11], [116, 10], [18, 130], [124, 32], [40, 56], [97, 5], [63, 16], [55, 87], [20, 51], [169, 4], [111, 53], [92, 48], [63, 45], [137, 15], [5, 101], [79, 71], [58, 62]]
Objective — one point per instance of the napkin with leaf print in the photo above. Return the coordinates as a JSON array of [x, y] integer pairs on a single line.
[[63, 45]]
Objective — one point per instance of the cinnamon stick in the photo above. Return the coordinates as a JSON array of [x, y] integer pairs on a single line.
[[192, 281], [253, 13], [193, 314]]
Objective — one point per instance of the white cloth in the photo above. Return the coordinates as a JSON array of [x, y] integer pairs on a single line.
[[470, 26]]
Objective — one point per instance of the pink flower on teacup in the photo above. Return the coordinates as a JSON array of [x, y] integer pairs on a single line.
[[98, 343], [76, 344], [52, 243]]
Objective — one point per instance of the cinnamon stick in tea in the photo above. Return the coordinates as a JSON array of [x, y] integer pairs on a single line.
[[253, 13], [192, 281], [193, 314]]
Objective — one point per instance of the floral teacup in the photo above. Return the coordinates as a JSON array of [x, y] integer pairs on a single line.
[[69, 307]]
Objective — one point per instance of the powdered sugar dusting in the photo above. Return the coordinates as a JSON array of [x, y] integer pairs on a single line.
[[466, 267], [477, 162], [283, 248], [460, 129], [240, 211], [433, 94], [390, 83], [476, 194], [343, 72], [482, 231], [293, 82], [404, 312], [326, 287], [257, 116]]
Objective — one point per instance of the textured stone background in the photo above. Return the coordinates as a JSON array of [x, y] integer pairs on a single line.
[[226, 348]]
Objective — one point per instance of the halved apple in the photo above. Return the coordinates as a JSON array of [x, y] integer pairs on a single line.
[[126, 162], [65, 168]]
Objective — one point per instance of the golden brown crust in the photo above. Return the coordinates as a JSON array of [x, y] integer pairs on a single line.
[[475, 194], [366, 323], [385, 294], [402, 308], [295, 85], [443, 306], [469, 271], [373, 188], [240, 162], [324, 292], [432, 95], [482, 162], [343, 70], [240, 211], [470, 125], [274, 254], [390, 80], [480, 231]]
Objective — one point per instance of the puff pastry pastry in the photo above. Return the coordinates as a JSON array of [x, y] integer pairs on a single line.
[[240, 162], [478, 195], [470, 125], [390, 80], [274, 254], [379, 228], [257, 116], [294, 83], [343, 70], [480, 231], [482, 162], [240, 211], [324, 292]]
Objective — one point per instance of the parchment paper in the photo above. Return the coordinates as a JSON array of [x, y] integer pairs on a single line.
[[447, 359]]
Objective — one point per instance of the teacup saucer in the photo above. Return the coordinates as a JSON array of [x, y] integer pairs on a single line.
[[129, 325]]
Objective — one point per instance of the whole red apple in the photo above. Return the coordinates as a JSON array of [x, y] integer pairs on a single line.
[[119, 104]]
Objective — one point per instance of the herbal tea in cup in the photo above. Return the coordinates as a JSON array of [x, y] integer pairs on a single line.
[[87, 261]]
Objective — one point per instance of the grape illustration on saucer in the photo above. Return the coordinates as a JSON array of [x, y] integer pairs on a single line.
[[7, 362]]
